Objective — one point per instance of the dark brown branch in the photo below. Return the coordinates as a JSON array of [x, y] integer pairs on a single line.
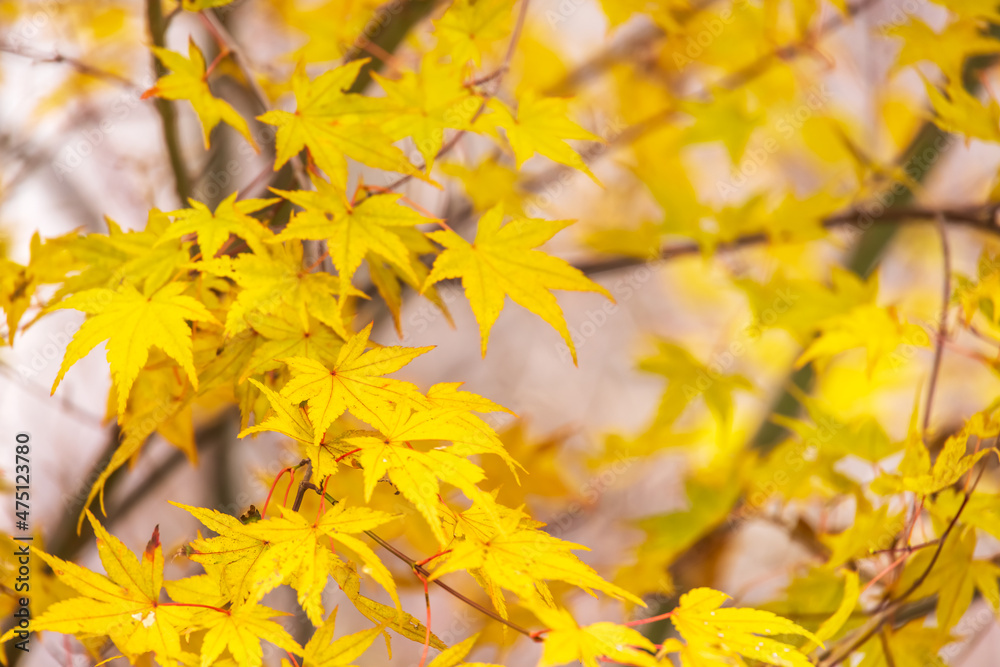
[[165, 108], [207, 438], [980, 218], [66, 543], [304, 485], [390, 25]]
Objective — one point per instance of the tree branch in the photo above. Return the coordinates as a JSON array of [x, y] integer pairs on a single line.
[[165, 108], [389, 36], [77, 64], [942, 323], [978, 218], [419, 569]]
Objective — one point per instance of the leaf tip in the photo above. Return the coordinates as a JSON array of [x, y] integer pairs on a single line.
[[153, 544]]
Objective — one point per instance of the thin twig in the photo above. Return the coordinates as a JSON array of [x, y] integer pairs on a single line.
[[986, 338], [165, 108], [226, 42], [71, 409], [942, 328], [965, 217], [77, 64], [303, 486], [427, 627], [515, 36], [420, 570], [886, 649], [833, 656], [944, 538], [497, 77]]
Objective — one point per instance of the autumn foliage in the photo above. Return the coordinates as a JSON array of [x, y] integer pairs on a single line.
[[418, 150]]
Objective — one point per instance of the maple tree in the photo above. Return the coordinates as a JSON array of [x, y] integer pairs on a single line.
[[408, 153]]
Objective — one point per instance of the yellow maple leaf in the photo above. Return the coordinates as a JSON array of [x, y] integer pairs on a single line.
[[917, 474], [504, 549], [285, 336], [956, 110], [372, 225], [702, 622], [470, 27], [285, 417], [502, 262], [726, 118], [877, 329], [123, 605], [213, 229], [274, 282], [296, 554], [386, 616], [354, 383], [948, 48], [982, 292], [540, 125], [333, 124], [566, 641], [979, 9], [239, 629], [17, 286], [290, 419], [685, 374], [253, 559], [233, 558], [468, 433], [445, 413], [454, 656], [105, 261], [188, 81], [132, 323], [323, 650], [424, 104], [415, 473]]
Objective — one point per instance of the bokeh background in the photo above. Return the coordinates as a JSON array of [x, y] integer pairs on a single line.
[[77, 145]]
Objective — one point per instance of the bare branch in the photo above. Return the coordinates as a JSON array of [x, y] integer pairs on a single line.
[[165, 108], [978, 218], [79, 65]]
